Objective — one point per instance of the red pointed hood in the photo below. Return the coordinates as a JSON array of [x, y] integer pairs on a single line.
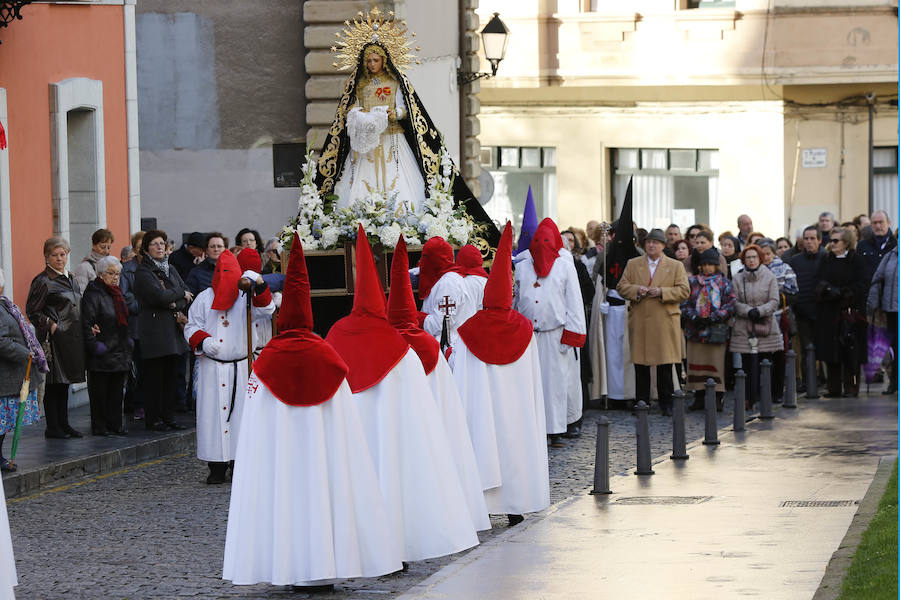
[[402, 311], [469, 258], [296, 306], [497, 334], [545, 247], [297, 366], [436, 259], [364, 338], [249, 260], [225, 281]]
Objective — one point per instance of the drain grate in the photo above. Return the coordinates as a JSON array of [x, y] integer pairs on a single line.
[[818, 503], [663, 499]]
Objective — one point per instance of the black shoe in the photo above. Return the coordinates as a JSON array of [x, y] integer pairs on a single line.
[[158, 426], [666, 410], [119, 433], [6, 466], [515, 519], [313, 589], [56, 435], [215, 478], [72, 432], [778, 401], [175, 426], [556, 441], [573, 431], [99, 433]]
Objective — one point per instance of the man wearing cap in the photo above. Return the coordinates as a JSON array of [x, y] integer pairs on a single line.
[[189, 255], [656, 285]]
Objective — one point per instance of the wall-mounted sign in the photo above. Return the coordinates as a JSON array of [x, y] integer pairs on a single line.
[[814, 158]]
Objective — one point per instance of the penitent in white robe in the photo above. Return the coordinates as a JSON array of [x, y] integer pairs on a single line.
[[452, 288], [515, 402], [443, 389], [305, 501], [427, 508], [553, 304], [7, 561], [476, 284], [217, 432]]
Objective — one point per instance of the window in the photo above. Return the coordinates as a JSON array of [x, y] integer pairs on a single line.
[[514, 170], [884, 182], [709, 3], [286, 162], [674, 185]]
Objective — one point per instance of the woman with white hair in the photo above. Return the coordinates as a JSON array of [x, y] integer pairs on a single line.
[[17, 342], [104, 318]]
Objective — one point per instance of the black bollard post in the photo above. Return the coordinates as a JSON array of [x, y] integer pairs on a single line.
[[679, 444], [790, 379], [642, 429], [740, 392], [812, 386], [601, 459], [765, 389], [712, 429], [753, 374]]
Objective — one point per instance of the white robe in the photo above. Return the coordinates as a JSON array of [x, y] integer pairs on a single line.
[[554, 304], [427, 508], [305, 502], [7, 561], [515, 399], [217, 434], [476, 284], [443, 389], [453, 286]]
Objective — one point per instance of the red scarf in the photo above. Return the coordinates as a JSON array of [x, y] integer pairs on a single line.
[[118, 301]]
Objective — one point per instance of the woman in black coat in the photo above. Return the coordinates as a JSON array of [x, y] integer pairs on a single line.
[[54, 308], [841, 313], [163, 301], [108, 351]]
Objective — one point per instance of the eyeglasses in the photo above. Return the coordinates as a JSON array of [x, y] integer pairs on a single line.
[[834, 240], [215, 246]]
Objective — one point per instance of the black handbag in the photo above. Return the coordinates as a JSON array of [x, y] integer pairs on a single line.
[[718, 333]]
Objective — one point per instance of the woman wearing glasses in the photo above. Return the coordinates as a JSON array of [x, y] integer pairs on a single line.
[[841, 313], [104, 319], [163, 300]]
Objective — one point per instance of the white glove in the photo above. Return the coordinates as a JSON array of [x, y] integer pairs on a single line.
[[276, 298], [563, 348], [252, 276], [211, 347], [604, 308]]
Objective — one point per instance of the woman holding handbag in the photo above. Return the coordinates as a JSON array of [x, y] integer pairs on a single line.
[[706, 313], [163, 301]]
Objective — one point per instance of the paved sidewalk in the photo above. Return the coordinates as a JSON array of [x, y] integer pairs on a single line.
[[42, 462], [715, 526]]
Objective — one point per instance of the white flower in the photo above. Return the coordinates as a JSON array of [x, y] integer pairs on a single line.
[[389, 234], [459, 231], [436, 229], [330, 235]]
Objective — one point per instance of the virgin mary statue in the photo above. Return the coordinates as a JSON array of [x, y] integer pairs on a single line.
[[382, 139]]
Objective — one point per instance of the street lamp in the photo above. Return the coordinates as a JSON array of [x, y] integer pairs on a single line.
[[494, 38], [9, 11]]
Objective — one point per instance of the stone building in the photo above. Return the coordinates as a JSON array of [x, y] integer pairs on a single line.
[[716, 108]]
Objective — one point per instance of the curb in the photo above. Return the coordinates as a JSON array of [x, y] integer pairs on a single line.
[[23, 483], [830, 586]]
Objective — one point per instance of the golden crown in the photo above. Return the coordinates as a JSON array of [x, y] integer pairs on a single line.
[[372, 27]]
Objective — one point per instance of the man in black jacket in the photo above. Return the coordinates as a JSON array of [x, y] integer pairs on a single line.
[[189, 255], [805, 264], [873, 249]]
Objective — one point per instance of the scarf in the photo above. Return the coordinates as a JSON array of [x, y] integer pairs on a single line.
[[164, 265], [28, 334], [709, 298], [118, 301]]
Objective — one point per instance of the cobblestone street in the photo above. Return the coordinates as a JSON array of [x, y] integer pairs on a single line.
[[156, 530]]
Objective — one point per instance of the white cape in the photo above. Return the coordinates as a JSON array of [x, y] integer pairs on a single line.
[[7, 561], [426, 504], [443, 388], [514, 393], [305, 504]]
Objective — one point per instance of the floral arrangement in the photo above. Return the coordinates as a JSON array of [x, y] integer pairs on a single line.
[[383, 217]]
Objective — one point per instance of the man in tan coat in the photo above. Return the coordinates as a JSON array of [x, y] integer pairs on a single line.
[[655, 285]]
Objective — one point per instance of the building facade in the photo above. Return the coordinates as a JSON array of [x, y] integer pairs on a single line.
[[69, 112], [715, 108]]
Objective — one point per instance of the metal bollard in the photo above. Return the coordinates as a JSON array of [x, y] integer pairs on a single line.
[[679, 445], [812, 386], [740, 393], [642, 430], [601, 459], [709, 404], [753, 375], [790, 379], [765, 389]]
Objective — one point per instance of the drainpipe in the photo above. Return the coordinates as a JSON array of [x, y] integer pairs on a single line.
[[870, 98]]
